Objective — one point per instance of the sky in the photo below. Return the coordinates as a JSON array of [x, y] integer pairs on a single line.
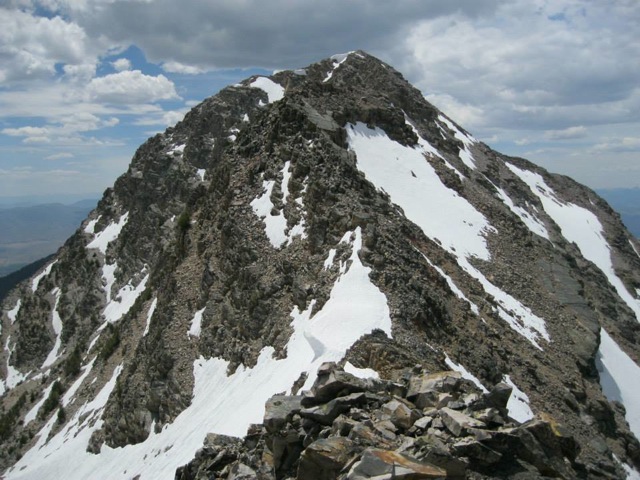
[[84, 82]]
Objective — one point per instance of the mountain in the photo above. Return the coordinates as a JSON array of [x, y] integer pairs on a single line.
[[32, 232], [294, 234]]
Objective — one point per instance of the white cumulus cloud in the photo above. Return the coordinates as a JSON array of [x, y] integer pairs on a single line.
[[131, 86]]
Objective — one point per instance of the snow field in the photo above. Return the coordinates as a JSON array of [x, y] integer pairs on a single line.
[[443, 215]]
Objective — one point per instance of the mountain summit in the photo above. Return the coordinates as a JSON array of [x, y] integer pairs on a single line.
[[328, 214]]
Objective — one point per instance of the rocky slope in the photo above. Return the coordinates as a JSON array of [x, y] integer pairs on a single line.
[[328, 214]]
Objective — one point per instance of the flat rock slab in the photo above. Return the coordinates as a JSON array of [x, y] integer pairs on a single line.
[[457, 422], [387, 464]]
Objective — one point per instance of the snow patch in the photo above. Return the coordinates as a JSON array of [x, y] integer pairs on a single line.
[[532, 223], [360, 372], [13, 313], [33, 413], [201, 172], [329, 261], [467, 140], [109, 234], [91, 225], [124, 300], [617, 374], [152, 309], [582, 227], [338, 60], [464, 372], [300, 71], [454, 288], [196, 324], [36, 280], [117, 307], [273, 90], [276, 225], [68, 397], [14, 376], [518, 404], [56, 322], [177, 149]]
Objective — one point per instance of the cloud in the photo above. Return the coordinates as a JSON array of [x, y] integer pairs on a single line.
[[59, 156], [131, 86], [527, 71], [121, 64], [624, 144], [569, 133], [61, 133], [177, 67], [31, 46], [274, 34]]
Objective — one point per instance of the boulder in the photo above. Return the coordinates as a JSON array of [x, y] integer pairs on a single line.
[[333, 382], [326, 413], [457, 422], [278, 411], [325, 458], [499, 395], [424, 390], [399, 414]]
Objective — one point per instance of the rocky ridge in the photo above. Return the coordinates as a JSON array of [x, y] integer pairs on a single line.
[[242, 232], [436, 425]]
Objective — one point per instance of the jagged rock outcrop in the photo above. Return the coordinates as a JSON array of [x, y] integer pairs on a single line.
[[324, 214]]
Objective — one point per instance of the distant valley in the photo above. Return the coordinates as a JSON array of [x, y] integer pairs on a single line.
[[28, 233]]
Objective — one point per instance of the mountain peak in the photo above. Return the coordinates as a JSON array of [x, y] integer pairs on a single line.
[[326, 214]]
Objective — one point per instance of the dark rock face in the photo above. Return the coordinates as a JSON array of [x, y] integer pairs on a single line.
[[371, 439], [187, 269]]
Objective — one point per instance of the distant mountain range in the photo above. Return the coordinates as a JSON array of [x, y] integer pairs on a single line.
[[29, 233], [625, 201]]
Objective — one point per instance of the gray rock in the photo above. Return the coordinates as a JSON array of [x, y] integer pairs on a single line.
[[279, 409]]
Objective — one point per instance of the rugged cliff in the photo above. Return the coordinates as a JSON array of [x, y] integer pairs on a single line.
[[328, 214]]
